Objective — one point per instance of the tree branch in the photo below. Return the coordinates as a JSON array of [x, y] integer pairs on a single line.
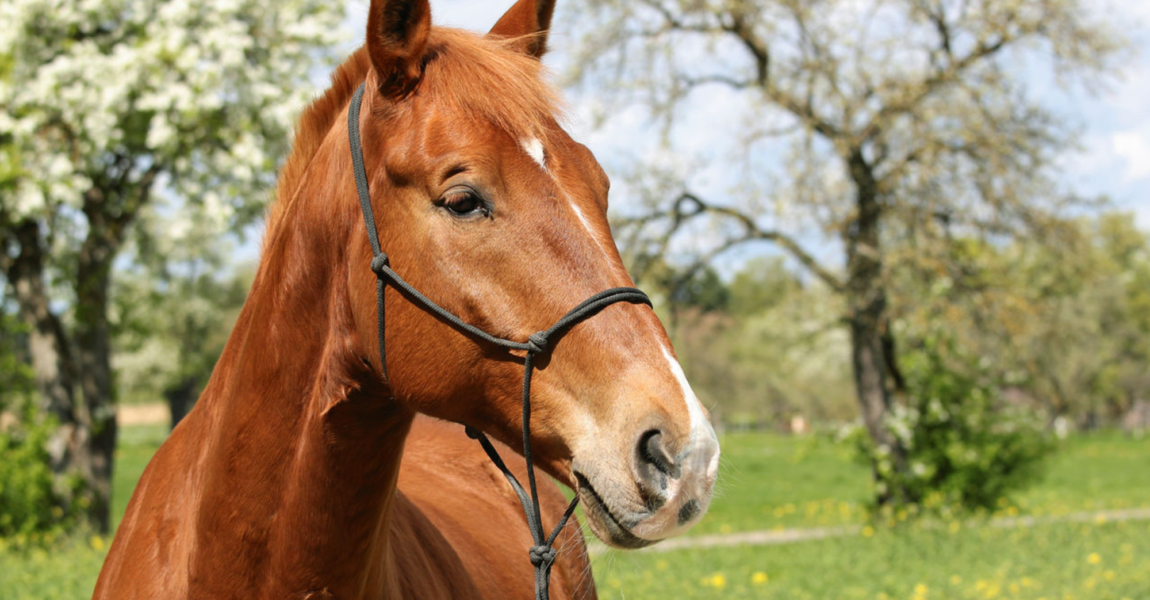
[[689, 205]]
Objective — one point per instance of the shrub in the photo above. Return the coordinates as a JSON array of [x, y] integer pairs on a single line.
[[963, 445], [34, 504]]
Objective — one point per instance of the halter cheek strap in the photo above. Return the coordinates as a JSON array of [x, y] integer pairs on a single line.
[[543, 553]]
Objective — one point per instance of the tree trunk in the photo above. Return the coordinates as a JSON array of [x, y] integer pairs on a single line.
[[47, 346], [94, 352], [180, 398], [871, 341]]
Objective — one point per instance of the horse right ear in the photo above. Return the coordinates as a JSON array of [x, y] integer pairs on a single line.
[[397, 33]]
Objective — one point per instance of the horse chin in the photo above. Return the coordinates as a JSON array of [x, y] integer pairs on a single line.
[[603, 522]]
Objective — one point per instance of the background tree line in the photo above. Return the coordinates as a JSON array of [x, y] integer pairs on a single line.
[[1065, 331]]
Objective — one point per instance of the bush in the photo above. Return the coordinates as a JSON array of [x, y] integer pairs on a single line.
[[963, 445], [34, 505]]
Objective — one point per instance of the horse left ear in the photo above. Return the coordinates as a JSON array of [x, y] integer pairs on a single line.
[[528, 20], [397, 33]]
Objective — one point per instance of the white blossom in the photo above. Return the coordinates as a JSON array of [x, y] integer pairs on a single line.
[[206, 89]]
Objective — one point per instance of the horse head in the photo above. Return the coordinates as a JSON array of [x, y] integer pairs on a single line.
[[487, 206]]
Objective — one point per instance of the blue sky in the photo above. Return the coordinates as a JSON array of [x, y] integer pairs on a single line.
[[1113, 159]]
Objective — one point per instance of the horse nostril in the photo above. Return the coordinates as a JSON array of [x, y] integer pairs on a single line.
[[654, 453]]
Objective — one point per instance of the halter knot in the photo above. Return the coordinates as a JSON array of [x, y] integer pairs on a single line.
[[537, 342], [378, 263], [542, 555]]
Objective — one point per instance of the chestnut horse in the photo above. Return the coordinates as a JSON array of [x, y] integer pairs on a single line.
[[303, 471]]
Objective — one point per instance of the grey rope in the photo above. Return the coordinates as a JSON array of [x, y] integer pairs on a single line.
[[543, 553]]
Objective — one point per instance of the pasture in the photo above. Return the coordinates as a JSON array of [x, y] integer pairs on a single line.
[[1064, 539]]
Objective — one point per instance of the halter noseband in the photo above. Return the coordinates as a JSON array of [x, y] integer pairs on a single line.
[[542, 553]]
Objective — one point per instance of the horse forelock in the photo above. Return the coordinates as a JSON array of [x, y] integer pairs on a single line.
[[481, 78]]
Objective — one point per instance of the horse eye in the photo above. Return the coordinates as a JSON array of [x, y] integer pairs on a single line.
[[463, 203]]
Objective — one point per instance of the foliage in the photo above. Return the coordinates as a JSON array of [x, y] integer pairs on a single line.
[[33, 508], [15, 376], [172, 327], [153, 122], [203, 91], [962, 445], [1064, 327], [760, 349]]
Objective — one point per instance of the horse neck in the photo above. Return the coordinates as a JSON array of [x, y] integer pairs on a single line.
[[303, 443]]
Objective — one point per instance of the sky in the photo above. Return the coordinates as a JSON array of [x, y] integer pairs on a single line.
[[1113, 159]]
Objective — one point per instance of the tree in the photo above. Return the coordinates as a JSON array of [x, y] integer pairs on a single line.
[[109, 105], [1069, 325], [900, 123], [174, 320]]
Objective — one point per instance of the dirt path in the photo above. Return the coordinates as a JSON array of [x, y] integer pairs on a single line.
[[804, 534], [142, 414]]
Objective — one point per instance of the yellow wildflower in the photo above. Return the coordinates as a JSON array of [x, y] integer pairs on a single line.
[[718, 580], [759, 578]]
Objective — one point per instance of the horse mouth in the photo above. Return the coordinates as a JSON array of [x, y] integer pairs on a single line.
[[598, 513]]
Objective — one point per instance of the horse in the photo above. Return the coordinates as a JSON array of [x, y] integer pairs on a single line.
[[311, 467]]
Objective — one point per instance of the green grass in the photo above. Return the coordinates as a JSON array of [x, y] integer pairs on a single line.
[[771, 482], [1059, 561]]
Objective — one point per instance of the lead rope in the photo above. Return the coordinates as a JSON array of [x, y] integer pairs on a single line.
[[543, 553]]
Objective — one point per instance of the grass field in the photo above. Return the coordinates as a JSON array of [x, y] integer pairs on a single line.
[[772, 482]]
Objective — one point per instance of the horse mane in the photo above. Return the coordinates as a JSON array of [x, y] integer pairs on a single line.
[[483, 78]]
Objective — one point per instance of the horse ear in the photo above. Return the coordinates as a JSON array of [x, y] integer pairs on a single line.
[[397, 33], [528, 20]]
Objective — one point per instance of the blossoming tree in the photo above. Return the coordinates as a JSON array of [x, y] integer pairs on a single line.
[[110, 105]]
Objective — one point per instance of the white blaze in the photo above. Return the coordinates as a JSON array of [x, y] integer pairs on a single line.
[[534, 148], [701, 431]]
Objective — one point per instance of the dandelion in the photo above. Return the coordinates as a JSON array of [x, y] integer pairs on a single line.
[[717, 581], [955, 580], [1094, 558], [661, 565], [759, 578], [1108, 575], [867, 531], [954, 526], [97, 543]]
